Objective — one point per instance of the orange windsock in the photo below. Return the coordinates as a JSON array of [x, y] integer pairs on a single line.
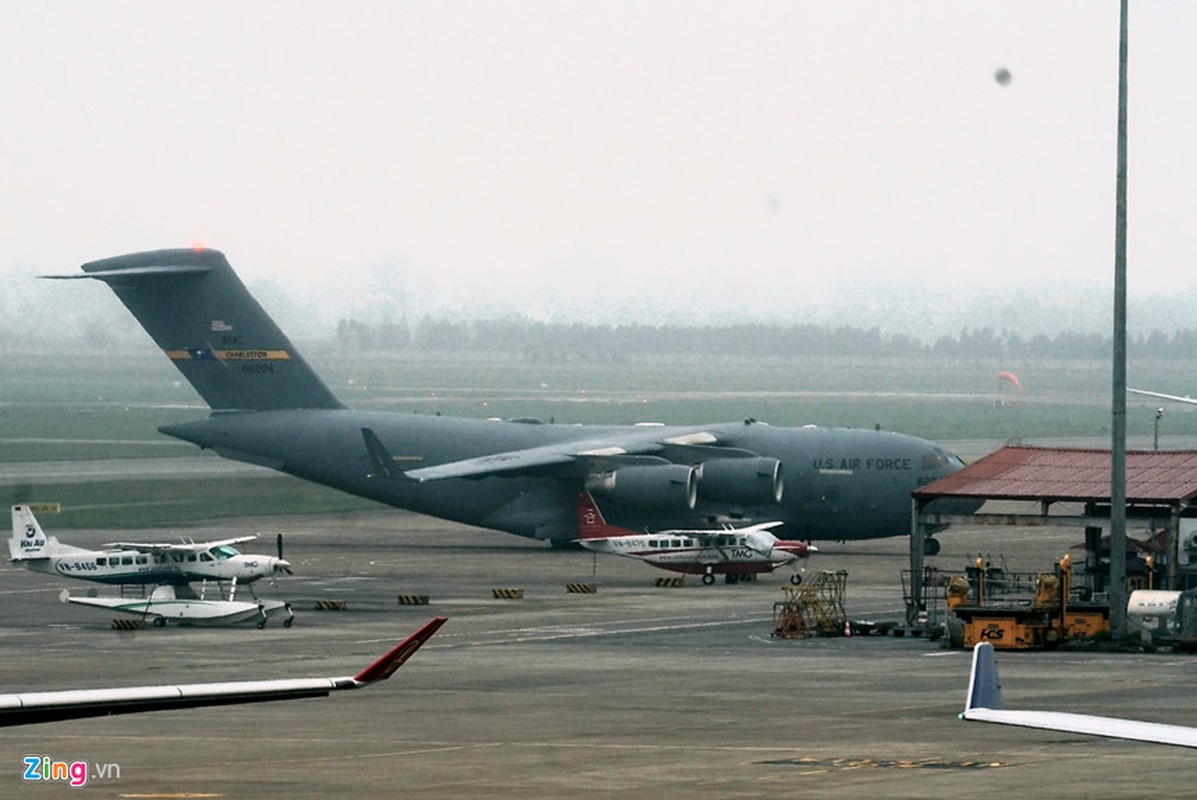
[[1010, 376]]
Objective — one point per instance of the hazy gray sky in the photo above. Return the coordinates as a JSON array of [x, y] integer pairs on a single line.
[[568, 156]]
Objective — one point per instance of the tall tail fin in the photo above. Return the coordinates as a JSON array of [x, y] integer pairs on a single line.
[[591, 524], [27, 540], [199, 312]]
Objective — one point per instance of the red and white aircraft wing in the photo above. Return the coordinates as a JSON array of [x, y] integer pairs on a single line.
[[31, 707]]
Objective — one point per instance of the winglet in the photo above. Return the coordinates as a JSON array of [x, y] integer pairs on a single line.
[[395, 658], [984, 704], [984, 690]]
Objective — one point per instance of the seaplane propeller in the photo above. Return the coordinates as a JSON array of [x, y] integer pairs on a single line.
[[279, 546]]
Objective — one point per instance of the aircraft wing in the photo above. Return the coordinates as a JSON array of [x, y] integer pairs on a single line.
[[33, 707], [177, 547], [704, 536], [497, 463], [647, 442], [1173, 397], [984, 704]]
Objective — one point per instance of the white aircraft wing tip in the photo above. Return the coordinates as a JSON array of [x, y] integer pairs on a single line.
[[984, 704]]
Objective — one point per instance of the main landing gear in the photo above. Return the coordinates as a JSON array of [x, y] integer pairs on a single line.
[[930, 546], [708, 577]]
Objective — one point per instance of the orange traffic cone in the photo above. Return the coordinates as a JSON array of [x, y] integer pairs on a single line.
[[847, 629]]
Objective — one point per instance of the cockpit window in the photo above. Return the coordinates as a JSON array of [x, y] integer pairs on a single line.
[[224, 552], [940, 460]]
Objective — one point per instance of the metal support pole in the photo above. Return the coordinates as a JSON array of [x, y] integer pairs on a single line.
[[1118, 595], [1172, 548], [916, 561]]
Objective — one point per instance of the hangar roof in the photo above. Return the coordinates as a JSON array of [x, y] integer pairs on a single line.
[[1071, 475]]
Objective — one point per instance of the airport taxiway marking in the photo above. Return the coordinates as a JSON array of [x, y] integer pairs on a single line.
[[556, 632]]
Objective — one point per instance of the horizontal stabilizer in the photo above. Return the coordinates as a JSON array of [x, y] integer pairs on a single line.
[[128, 274]]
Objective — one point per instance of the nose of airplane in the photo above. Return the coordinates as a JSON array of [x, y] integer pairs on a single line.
[[282, 565], [797, 549]]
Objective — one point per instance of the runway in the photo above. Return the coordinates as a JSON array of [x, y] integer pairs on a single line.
[[633, 691], [191, 467]]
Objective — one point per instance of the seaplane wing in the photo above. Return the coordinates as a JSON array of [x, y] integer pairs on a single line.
[[984, 704], [710, 538], [32, 707], [759, 526], [177, 547]]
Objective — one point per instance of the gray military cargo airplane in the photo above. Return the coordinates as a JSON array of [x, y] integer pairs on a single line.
[[270, 408]]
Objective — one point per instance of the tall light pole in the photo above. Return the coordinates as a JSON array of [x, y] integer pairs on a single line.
[[1155, 439], [1118, 401]]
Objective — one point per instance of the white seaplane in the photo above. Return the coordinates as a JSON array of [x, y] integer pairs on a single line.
[[137, 562], [172, 568]]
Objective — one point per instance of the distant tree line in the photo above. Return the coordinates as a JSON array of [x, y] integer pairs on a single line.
[[536, 340]]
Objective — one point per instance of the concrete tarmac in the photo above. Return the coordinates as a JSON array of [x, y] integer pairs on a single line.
[[633, 691]]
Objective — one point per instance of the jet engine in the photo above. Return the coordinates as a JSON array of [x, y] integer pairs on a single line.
[[666, 486], [751, 481]]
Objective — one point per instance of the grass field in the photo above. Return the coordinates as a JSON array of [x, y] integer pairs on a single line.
[[98, 406], [174, 503]]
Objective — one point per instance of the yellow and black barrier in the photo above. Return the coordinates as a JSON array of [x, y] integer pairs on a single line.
[[581, 588], [671, 583], [128, 624], [508, 594], [413, 599], [331, 605]]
